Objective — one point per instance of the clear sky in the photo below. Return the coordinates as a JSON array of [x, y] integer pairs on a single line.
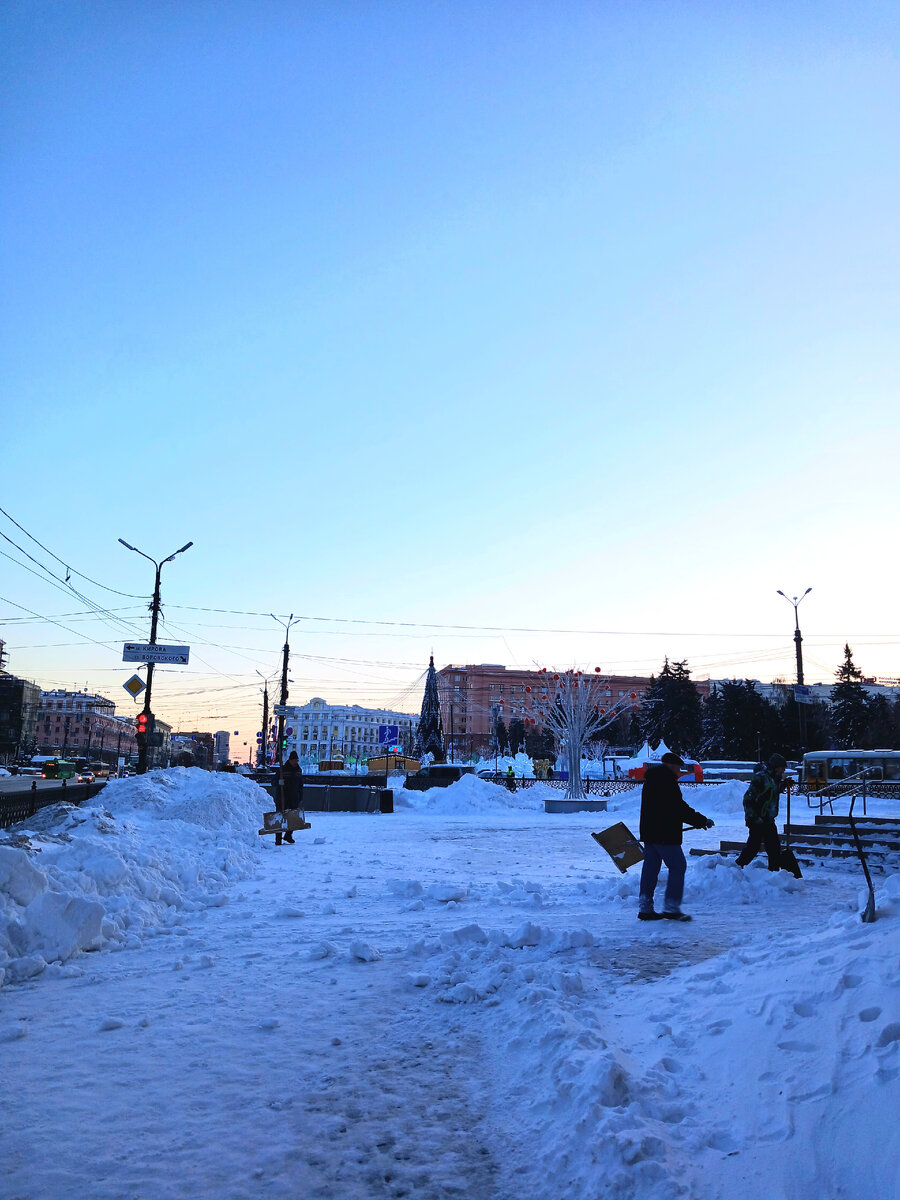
[[514, 315]]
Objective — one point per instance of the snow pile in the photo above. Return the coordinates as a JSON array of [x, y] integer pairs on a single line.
[[472, 796], [147, 851], [617, 1088]]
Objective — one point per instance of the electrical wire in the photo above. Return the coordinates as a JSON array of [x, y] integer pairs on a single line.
[[62, 562]]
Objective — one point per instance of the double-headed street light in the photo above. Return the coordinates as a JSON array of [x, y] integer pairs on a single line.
[[284, 679], [154, 609], [795, 601], [798, 640]]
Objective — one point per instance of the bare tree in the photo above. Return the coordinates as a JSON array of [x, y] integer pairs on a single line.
[[575, 706]]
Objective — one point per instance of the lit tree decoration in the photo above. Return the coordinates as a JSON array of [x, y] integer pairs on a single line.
[[576, 706]]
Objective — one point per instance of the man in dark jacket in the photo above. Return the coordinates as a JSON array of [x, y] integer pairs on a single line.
[[288, 791], [663, 812], [760, 812]]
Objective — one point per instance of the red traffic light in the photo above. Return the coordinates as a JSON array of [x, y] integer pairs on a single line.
[[142, 722]]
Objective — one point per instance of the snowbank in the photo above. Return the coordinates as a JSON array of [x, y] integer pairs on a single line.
[[472, 796], [148, 850], [617, 1089]]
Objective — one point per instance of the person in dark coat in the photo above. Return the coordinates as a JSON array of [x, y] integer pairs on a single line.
[[289, 791], [663, 812], [760, 812]]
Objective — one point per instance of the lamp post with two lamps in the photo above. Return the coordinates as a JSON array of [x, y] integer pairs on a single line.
[[154, 609], [798, 640]]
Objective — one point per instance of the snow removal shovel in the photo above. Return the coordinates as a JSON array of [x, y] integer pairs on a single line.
[[621, 845]]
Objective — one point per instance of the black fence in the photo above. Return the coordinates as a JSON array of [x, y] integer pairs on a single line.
[[16, 807], [593, 787]]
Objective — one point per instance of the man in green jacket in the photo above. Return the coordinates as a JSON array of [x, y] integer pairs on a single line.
[[760, 811]]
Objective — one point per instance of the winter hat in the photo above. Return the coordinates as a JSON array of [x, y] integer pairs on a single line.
[[674, 760], [776, 761]]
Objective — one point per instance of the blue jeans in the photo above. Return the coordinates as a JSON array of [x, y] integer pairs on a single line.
[[655, 854]]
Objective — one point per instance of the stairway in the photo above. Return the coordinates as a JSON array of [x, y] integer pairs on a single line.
[[832, 837]]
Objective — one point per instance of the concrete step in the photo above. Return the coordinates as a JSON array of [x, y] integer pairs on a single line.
[[816, 835], [806, 850]]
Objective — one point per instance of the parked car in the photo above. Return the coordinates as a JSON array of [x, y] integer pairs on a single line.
[[437, 775]]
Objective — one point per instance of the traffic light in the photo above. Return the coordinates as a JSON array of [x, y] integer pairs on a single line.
[[142, 723]]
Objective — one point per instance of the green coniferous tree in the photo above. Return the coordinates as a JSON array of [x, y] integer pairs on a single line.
[[516, 735], [502, 736], [670, 711], [849, 706], [751, 725], [712, 741]]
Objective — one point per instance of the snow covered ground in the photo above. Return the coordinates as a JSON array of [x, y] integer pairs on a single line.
[[453, 999]]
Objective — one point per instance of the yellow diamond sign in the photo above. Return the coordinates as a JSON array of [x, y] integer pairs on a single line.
[[134, 686]]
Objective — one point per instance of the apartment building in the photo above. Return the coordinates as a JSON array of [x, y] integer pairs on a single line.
[[82, 725], [319, 729], [469, 693]]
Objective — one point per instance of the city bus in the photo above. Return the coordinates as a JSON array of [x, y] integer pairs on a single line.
[[59, 768], [821, 767]]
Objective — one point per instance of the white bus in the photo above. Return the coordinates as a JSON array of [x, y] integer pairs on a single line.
[[821, 767]]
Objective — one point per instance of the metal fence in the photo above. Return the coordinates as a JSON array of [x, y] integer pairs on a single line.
[[16, 807]]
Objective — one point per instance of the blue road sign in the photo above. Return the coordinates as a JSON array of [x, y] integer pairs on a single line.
[[388, 734]]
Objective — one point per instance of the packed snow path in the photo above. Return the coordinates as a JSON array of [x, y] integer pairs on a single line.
[[428, 1006]]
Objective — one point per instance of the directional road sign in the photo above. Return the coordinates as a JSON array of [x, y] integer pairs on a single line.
[[134, 686], [143, 652], [286, 710], [388, 734], [803, 694]]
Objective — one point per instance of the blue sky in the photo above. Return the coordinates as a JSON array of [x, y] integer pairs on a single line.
[[569, 316]]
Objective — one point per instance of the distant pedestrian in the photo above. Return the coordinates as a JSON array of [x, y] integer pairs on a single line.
[[549, 771], [760, 812], [663, 812], [289, 792], [510, 779]]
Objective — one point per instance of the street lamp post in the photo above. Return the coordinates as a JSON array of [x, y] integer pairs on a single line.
[[794, 601], [286, 653], [154, 609]]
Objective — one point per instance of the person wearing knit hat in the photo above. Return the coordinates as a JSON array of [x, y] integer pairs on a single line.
[[760, 812]]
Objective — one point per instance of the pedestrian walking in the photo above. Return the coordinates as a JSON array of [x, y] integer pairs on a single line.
[[510, 779], [760, 812], [289, 792], [663, 814]]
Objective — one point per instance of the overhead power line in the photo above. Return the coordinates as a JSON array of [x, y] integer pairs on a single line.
[[62, 562]]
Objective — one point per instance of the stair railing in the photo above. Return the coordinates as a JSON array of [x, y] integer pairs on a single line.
[[868, 913], [841, 787], [852, 786]]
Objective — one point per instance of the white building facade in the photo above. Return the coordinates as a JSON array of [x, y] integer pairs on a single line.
[[320, 730]]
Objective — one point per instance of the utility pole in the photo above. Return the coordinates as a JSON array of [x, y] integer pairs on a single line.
[[286, 653], [265, 725], [154, 609], [798, 640]]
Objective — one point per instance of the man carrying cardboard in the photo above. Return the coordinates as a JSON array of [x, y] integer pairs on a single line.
[[663, 812]]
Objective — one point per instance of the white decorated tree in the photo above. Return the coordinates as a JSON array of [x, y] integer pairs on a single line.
[[576, 706]]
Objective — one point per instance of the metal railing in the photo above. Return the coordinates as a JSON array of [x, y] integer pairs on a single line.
[[853, 786], [20, 806]]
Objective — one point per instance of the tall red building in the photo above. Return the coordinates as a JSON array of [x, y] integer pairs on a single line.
[[469, 693]]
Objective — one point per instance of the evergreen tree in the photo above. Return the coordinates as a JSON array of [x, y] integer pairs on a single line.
[[670, 711], [540, 743], [849, 706], [882, 731], [502, 736], [751, 725], [430, 730], [712, 742], [516, 735]]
